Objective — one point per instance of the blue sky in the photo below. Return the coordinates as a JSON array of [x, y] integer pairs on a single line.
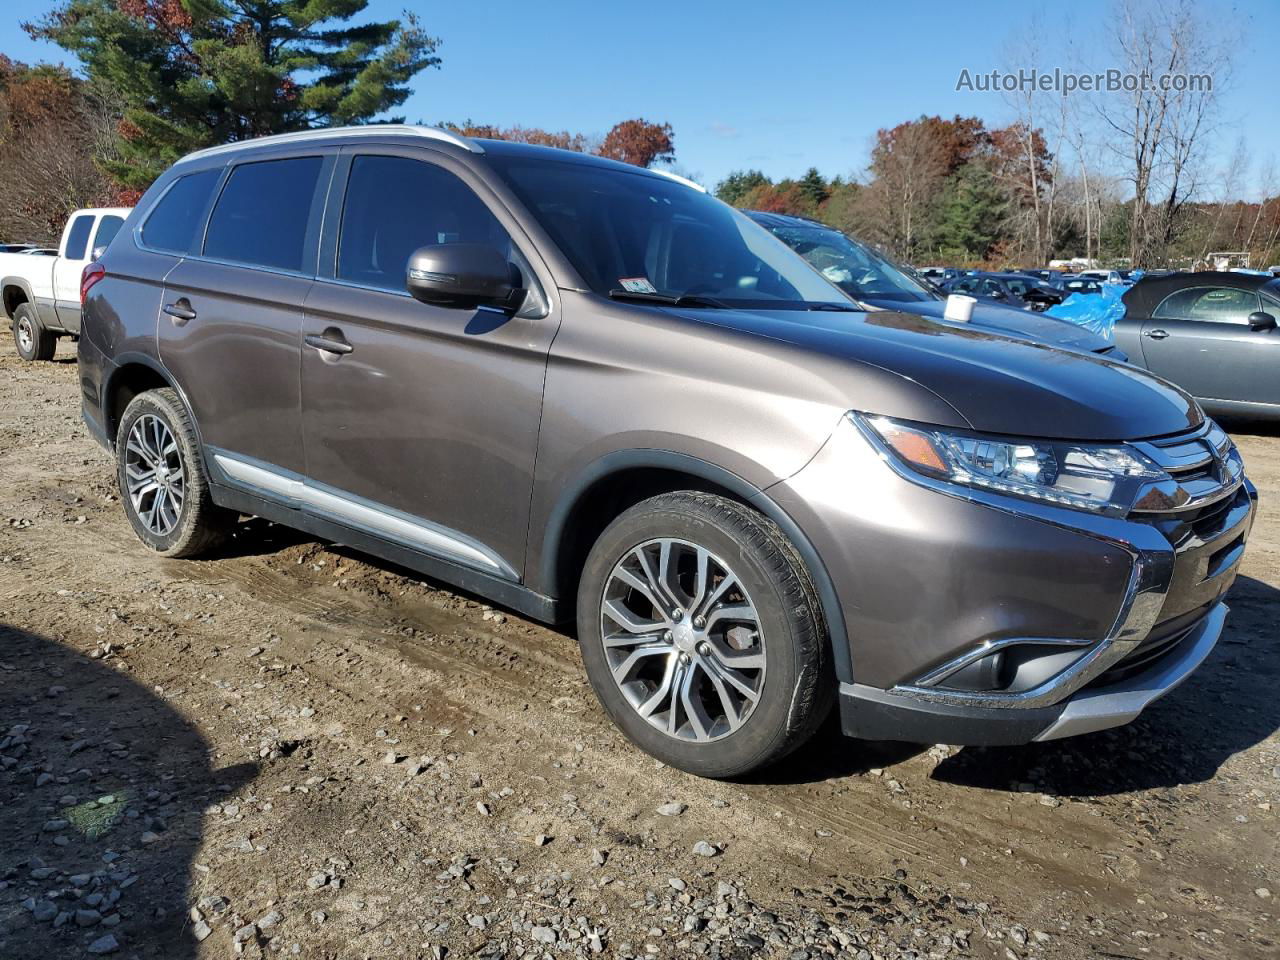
[[779, 87]]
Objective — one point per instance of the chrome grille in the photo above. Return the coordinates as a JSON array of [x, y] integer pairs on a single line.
[[1204, 466]]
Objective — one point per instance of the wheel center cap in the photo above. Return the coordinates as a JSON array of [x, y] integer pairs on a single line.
[[684, 637]]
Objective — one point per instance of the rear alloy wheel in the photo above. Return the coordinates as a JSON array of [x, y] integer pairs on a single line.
[[30, 337], [162, 480], [702, 634]]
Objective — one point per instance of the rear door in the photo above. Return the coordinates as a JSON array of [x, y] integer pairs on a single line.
[[423, 429], [231, 314], [1200, 339]]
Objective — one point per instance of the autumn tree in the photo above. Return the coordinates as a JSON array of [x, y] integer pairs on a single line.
[[53, 126], [640, 143], [561, 139], [909, 164], [191, 73]]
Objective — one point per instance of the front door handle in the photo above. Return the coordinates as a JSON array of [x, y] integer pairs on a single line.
[[1157, 334], [180, 310], [329, 344]]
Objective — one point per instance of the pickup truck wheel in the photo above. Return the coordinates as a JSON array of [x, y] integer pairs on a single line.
[[702, 635], [33, 341], [162, 479]]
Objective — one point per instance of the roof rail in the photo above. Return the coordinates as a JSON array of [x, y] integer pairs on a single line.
[[678, 179], [365, 130]]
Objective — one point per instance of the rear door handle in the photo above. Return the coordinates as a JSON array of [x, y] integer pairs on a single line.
[[327, 344], [180, 310], [1157, 334]]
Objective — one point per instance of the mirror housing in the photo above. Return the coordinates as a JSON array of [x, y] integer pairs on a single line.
[[464, 276], [1259, 321]]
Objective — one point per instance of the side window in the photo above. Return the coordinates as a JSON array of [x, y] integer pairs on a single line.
[[78, 237], [393, 206], [1209, 304], [991, 288], [108, 227], [174, 221], [261, 218]]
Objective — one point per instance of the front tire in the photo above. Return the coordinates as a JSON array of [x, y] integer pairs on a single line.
[[702, 635], [162, 480], [30, 337]]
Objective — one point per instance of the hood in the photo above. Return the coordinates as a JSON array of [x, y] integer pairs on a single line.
[[998, 384], [1017, 323]]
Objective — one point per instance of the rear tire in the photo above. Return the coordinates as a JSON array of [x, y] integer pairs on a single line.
[[729, 671], [30, 337], [162, 479]]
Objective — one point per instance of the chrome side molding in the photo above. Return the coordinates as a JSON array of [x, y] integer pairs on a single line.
[[364, 515]]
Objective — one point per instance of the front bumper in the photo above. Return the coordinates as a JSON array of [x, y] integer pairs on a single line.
[[1100, 616], [873, 714]]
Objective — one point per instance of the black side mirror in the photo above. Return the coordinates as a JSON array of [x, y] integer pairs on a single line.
[[463, 275], [997, 295], [1259, 321]]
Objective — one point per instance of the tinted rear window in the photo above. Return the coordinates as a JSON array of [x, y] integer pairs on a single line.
[[172, 225], [78, 238], [261, 217]]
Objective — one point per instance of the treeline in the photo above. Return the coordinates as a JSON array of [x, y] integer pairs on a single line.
[[952, 191]]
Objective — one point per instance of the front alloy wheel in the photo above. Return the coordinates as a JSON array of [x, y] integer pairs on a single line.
[[683, 640], [702, 634]]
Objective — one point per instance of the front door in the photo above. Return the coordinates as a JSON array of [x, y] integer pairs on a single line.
[[420, 422], [1200, 339], [231, 315]]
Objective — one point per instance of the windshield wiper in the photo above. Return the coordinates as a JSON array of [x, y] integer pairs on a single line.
[[841, 307], [683, 300]]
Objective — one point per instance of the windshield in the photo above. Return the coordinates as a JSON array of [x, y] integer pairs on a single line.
[[643, 235], [855, 269]]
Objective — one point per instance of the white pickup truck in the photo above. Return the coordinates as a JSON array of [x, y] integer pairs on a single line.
[[40, 294]]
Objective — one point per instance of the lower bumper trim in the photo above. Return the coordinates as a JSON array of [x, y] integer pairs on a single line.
[[870, 713], [1117, 704]]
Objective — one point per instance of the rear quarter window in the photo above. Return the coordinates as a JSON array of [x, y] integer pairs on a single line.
[[261, 218], [78, 237], [108, 227], [173, 222]]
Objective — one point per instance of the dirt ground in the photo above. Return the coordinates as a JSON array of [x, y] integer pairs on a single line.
[[292, 750]]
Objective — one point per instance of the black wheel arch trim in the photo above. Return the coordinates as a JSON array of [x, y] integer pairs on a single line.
[[133, 358], [621, 461]]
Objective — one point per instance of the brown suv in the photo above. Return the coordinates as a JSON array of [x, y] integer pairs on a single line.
[[589, 391]]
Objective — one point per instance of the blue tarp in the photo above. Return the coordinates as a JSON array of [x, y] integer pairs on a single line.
[[1097, 312]]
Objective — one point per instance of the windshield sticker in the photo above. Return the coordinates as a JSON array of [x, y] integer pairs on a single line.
[[637, 285]]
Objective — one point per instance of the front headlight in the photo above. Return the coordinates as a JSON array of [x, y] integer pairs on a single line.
[[1101, 479]]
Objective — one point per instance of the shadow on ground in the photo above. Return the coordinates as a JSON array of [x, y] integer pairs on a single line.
[[102, 788], [1228, 705]]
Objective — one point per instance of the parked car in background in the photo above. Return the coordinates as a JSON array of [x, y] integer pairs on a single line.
[[41, 295], [1008, 289], [875, 282], [938, 275], [15, 247], [1108, 276], [1085, 285], [1214, 334], [595, 393]]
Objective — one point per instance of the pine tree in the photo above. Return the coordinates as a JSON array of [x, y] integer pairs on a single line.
[[969, 213], [738, 184], [192, 73], [815, 188]]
